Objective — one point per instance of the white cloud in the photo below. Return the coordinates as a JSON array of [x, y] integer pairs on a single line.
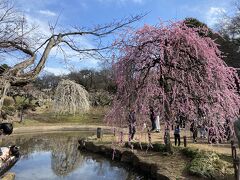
[[71, 55], [43, 26], [214, 14], [216, 10], [39, 15], [47, 13], [57, 71]]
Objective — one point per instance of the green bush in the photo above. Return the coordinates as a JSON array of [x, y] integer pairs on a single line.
[[189, 152], [207, 165], [159, 147], [8, 101], [8, 111]]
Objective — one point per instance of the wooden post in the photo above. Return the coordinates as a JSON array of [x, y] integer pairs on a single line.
[[236, 162], [99, 133], [114, 131], [185, 141], [232, 144], [234, 152], [235, 169], [121, 137], [238, 169]]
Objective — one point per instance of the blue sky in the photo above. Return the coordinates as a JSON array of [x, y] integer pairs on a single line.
[[86, 13]]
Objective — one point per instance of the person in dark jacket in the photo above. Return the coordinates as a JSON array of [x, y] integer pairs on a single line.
[[132, 123], [177, 135], [153, 119], [194, 130]]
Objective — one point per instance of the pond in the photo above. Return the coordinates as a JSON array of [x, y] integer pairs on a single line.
[[56, 156]]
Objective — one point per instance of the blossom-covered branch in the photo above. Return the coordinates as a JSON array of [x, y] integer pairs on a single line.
[[176, 71]]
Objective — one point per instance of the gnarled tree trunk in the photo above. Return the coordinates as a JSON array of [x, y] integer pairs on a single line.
[[4, 85], [15, 76], [11, 41]]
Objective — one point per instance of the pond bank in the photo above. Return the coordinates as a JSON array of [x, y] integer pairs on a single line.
[[157, 163], [127, 156]]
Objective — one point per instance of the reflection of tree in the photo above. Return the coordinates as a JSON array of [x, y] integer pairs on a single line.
[[101, 168], [65, 157], [104, 168], [97, 160], [65, 154]]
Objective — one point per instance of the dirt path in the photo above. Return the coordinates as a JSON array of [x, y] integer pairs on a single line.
[[58, 127]]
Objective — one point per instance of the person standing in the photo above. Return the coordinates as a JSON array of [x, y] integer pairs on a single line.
[[181, 119], [203, 131], [152, 118], [132, 123], [177, 135], [194, 130], [157, 123]]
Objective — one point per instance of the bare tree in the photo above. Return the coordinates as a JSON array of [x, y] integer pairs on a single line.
[[229, 26], [14, 38]]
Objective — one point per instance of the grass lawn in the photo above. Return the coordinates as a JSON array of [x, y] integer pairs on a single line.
[[94, 116]]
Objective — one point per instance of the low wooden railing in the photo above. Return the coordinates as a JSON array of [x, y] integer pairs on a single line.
[[236, 161]]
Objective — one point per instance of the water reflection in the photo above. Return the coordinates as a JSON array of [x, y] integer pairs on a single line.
[[56, 156], [65, 156]]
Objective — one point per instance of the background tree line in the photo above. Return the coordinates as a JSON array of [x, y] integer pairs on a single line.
[[92, 80], [226, 36]]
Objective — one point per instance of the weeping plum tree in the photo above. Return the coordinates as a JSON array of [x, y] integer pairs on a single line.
[[32, 48], [70, 97], [176, 71]]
